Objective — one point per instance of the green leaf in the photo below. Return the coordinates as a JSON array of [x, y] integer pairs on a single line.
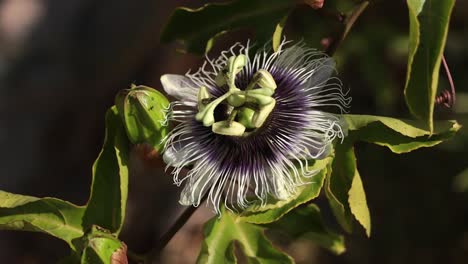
[[345, 191], [107, 203], [307, 223], [275, 209], [337, 184], [47, 215], [278, 34], [358, 203], [221, 233], [196, 29], [400, 136], [429, 22], [102, 247]]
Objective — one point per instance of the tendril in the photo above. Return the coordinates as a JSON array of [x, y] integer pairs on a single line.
[[446, 97]]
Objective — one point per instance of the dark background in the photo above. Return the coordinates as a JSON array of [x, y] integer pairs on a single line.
[[62, 62]]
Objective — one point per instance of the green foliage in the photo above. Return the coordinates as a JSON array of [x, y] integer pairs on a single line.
[[358, 203], [105, 209], [221, 233], [429, 22], [52, 216], [400, 136], [139, 117], [107, 203], [288, 216], [278, 34], [344, 188], [275, 209], [100, 246], [345, 191], [197, 29], [306, 223]]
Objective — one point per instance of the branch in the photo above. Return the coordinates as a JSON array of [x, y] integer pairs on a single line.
[[348, 24], [166, 237]]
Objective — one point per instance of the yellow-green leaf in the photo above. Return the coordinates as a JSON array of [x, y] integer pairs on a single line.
[[275, 209], [197, 29], [52, 216], [358, 203], [307, 223], [399, 135], [345, 191], [278, 34], [221, 233], [107, 203], [429, 22]]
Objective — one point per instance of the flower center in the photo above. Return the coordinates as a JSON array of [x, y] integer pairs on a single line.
[[246, 109]]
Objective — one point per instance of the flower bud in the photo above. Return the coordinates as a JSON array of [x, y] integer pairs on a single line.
[[143, 111]]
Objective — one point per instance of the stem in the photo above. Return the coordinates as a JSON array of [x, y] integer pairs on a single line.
[[348, 24], [232, 116], [166, 237]]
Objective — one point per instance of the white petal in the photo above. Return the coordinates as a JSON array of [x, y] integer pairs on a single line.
[[197, 186], [170, 157], [180, 86], [177, 155], [281, 192]]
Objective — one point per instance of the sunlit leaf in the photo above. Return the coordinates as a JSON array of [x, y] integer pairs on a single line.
[[196, 29], [307, 223], [429, 22], [398, 135], [345, 191], [221, 233], [102, 247], [52, 216], [105, 208], [278, 34], [358, 203], [107, 204], [275, 209]]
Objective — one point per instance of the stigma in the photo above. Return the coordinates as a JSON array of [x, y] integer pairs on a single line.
[[245, 110]]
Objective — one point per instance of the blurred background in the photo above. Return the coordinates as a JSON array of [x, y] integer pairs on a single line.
[[62, 62]]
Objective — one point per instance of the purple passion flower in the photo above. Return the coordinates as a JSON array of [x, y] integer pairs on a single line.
[[248, 127]]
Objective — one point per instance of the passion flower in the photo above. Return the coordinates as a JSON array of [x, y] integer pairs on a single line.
[[248, 126]]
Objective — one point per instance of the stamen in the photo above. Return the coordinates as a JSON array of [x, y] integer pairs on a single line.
[[254, 104], [203, 97], [260, 116], [228, 128], [207, 114]]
